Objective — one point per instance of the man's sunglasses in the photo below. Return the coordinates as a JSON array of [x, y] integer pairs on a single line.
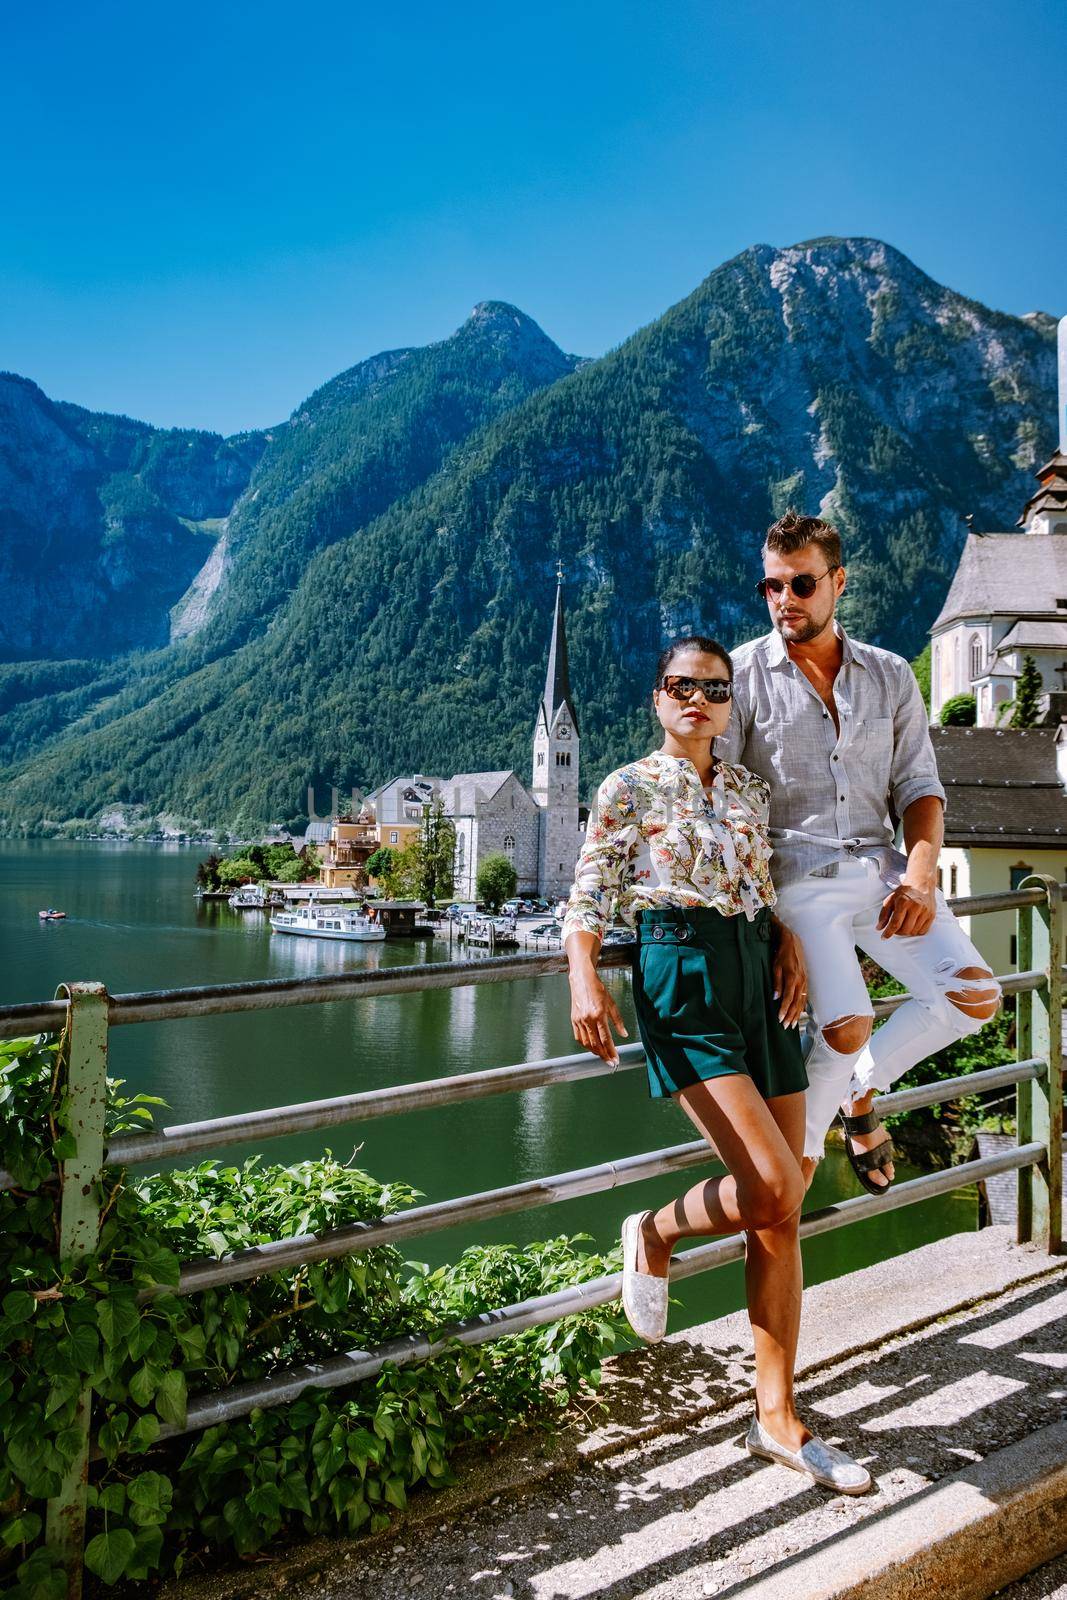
[[715, 690], [803, 585]]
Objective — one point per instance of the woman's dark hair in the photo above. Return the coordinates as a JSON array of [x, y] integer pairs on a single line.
[[692, 641]]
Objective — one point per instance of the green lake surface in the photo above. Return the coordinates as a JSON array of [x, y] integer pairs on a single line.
[[133, 923]]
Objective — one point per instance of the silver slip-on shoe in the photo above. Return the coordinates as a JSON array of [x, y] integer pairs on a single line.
[[823, 1462], [644, 1297]]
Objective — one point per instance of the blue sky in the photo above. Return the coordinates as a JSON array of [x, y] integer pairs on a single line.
[[210, 209]]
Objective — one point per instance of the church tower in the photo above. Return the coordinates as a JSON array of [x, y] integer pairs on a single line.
[[555, 766]]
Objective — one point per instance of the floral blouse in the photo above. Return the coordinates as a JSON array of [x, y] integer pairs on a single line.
[[658, 840]]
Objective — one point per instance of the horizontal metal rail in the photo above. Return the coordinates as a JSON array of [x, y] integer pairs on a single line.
[[279, 1255], [266, 994], [181, 1138], [208, 1410], [160, 1005]]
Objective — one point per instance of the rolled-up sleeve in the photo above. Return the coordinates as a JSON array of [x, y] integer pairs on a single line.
[[602, 875], [914, 771]]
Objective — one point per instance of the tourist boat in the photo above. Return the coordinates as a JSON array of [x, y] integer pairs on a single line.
[[326, 921], [51, 915]]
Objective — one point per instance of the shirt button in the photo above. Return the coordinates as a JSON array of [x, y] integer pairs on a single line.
[[841, 797], [835, 758]]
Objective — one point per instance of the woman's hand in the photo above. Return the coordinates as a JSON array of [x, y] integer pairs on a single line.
[[790, 975], [593, 1011]]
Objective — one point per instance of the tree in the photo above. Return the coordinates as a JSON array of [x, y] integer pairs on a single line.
[[207, 873], [1027, 692], [437, 853], [380, 864], [921, 668], [959, 712], [496, 881], [240, 869]]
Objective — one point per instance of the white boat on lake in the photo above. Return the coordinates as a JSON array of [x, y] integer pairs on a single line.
[[328, 922], [249, 897]]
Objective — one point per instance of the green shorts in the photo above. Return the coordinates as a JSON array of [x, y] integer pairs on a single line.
[[704, 998]]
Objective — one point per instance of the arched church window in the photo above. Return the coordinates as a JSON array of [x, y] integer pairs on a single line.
[[540, 758], [509, 844], [976, 657]]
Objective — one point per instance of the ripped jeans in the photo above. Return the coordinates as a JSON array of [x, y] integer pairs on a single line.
[[831, 916]]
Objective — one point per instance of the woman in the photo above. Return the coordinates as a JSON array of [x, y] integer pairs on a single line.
[[679, 847]]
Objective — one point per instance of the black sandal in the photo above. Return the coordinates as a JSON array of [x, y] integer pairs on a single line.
[[865, 1161]]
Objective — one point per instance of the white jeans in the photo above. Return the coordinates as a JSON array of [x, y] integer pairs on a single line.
[[830, 917]]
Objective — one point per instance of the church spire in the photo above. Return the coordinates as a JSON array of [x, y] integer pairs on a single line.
[[557, 678]]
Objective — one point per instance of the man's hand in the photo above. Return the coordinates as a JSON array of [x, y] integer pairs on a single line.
[[790, 975], [593, 1015], [908, 910]]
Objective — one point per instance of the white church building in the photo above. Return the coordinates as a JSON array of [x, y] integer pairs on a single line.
[[540, 828], [1009, 597]]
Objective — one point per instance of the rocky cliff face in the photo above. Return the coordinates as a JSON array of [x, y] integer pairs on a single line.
[[103, 522], [390, 569]]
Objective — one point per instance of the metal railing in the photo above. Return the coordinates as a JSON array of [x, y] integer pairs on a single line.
[[86, 1012]]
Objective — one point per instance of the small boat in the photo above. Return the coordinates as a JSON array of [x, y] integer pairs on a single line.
[[328, 922], [488, 930], [51, 915], [249, 897]]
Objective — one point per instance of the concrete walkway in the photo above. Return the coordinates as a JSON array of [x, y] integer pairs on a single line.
[[944, 1370]]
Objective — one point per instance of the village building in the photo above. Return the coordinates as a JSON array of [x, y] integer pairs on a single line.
[[1006, 788], [1005, 818], [347, 849], [1008, 598], [539, 828], [397, 807]]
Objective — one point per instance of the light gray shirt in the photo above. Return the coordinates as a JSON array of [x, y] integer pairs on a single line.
[[831, 793]]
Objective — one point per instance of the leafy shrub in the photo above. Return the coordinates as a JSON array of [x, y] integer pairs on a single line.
[[328, 1461], [961, 711]]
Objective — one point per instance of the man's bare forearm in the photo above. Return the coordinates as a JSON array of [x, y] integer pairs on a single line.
[[924, 834]]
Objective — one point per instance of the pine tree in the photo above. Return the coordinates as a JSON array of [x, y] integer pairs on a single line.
[[1027, 693]]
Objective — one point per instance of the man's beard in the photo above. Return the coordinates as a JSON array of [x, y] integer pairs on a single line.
[[809, 629]]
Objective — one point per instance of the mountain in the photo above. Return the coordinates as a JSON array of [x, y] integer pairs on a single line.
[[104, 522], [410, 634], [354, 447]]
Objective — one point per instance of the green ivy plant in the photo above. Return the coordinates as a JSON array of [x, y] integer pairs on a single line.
[[331, 1461]]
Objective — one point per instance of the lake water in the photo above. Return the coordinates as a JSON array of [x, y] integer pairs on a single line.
[[133, 923]]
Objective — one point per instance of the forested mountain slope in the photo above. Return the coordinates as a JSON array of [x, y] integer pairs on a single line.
[[833, 375]]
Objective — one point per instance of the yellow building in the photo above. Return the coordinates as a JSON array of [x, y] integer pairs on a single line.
[[345, 853], [1005, 818]]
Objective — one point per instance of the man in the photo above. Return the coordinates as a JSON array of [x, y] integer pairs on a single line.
[[839, 731]]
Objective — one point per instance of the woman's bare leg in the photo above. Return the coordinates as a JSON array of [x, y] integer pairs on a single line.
[[761, 1143], [774, 1281]]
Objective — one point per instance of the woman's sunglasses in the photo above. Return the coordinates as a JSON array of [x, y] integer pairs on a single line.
[[714, 690], [803, 585]]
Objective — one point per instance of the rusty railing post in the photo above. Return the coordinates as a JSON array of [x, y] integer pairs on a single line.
[[84, 1080], [1039, 1105]]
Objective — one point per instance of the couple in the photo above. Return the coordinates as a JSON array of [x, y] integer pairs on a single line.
[[802, 745]]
